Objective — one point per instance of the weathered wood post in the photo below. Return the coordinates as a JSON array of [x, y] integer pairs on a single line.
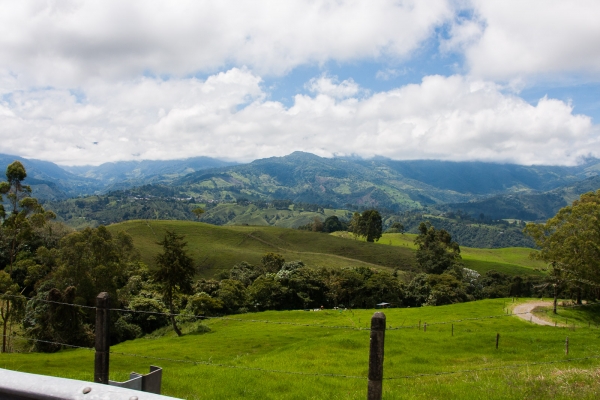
[[497, 340], [376, 356], [102, 338]]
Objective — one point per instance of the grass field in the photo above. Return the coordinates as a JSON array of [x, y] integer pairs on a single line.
[[258, 360], [511, 260], [218, 248]]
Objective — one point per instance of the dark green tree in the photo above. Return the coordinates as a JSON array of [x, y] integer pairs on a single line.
[[368, 225], [569, 243], [198, 212], [436, 252], [175, 271], [333, 224], [272, 262]]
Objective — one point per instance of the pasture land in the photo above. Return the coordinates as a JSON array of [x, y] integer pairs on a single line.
[[244, 356], [510, 260], [218, 248]]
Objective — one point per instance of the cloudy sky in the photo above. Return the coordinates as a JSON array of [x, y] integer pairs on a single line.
[[87, 82]]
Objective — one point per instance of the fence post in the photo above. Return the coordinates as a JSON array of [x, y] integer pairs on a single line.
[[567, 346], [376, 356], [452, 329], [102, 338], [497, 340]]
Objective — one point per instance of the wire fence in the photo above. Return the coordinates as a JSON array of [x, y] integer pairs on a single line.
[[262, 321], [326, 375], [300, 373]]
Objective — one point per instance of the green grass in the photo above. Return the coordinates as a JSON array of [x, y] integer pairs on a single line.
[[510, 260], [218, 248], [263, 347], [574, 317]]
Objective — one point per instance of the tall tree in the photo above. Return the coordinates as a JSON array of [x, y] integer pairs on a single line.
[[436, 251], [570, 241], [368, 225], [175, 271], [198, 212], [26, 213]]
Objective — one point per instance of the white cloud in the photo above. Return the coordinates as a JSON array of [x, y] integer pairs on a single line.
[[514, 39], [65, 43], [332, 87], [228, 116]]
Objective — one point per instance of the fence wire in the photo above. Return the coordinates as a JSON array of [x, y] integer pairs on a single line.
[[347, 327], [47, 342], [316, 374]]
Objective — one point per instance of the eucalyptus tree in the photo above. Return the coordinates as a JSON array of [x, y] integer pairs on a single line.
[[175, 271], [570, 241]]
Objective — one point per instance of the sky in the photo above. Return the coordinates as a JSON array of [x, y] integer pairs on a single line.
[[89, 82]]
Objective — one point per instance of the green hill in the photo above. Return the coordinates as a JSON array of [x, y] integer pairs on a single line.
[[218, 248], [510, 260]]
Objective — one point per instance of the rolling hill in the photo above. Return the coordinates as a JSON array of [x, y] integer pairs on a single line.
[[218, 248]]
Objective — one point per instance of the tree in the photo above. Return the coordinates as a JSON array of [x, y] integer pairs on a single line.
[[175, 271], [26, 214], [436, 252], [332, 224], [396, 227], [272, 262], [569, 242], [8, 289], [368, 225], [198, 212]]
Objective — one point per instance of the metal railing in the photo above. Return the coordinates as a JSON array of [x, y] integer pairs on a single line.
[[24, 386]]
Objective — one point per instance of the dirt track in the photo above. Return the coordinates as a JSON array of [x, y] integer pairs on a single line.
[[524, 311]]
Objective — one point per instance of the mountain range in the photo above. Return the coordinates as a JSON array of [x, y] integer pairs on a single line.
[[496, 190]]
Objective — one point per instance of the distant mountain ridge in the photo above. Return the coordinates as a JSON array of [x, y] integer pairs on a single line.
[[497, 190]]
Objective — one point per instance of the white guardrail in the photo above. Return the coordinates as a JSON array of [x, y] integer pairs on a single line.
[[24, 386]]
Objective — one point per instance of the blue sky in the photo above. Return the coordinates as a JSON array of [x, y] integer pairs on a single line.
[[85, 82]]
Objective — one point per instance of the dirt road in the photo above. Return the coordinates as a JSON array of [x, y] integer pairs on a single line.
[[524, 311]]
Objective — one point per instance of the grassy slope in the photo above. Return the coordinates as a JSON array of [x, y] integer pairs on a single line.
[[345, 352], [511, 260], [218, 248]]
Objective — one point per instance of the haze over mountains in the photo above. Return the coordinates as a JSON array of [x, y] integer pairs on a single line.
[[497, 190]]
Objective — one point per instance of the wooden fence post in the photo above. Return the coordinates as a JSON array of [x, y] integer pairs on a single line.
[[567, 346], [376, 356], [102, 338], [497, 340]]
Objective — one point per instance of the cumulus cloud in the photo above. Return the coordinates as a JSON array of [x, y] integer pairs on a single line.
[[229, 116], [331, 86], [64, 43], [525, 39]]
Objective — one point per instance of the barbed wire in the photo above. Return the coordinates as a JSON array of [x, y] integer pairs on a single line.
[[221, 365], [20, 296], [208, 363], [47, 342], [348, 327], [464, 371]]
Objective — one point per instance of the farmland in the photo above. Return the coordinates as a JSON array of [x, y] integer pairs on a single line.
[[248, 357]]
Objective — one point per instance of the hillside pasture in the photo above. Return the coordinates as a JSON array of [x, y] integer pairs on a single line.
[[510, 260], [218, 248], [269, 355]]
